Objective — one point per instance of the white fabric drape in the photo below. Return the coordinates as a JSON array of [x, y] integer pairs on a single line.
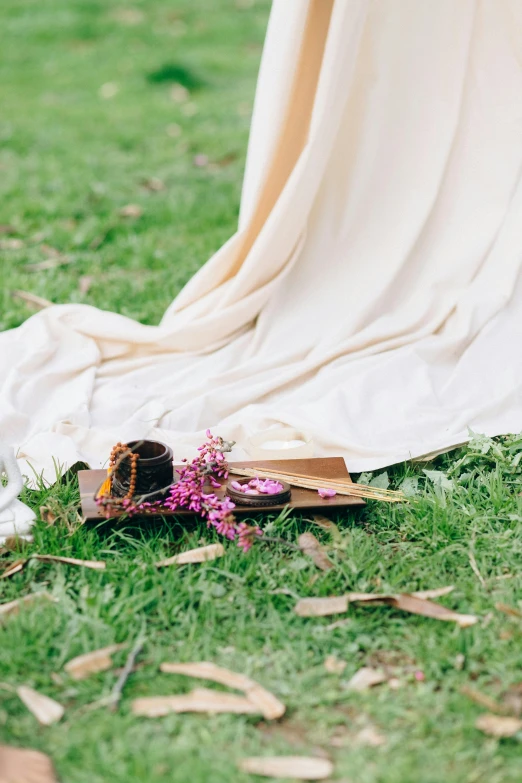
[[373, 292]]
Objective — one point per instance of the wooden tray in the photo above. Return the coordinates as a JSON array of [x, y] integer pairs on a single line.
[[302, 499]]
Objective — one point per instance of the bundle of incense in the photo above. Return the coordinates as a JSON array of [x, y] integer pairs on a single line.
[[311, 482]]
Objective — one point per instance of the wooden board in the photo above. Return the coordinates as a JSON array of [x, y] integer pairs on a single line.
[[302, 499]]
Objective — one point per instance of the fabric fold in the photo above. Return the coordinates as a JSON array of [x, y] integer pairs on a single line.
[[372, 294]]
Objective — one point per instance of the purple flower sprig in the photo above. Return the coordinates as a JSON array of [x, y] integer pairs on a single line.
[[190, 492]]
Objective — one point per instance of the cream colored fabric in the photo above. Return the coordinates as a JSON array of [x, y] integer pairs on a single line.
[[373, 292]]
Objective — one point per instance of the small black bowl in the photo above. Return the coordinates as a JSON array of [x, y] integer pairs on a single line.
[[155, 469], [258, 500]]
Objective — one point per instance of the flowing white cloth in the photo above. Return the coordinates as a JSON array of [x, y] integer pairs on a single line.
[[372, 295]]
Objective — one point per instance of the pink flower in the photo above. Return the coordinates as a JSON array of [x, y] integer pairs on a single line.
[[188, 493], [247, 535], [326, 493]]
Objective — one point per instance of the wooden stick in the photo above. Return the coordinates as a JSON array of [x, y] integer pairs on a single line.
[[295, 478], [338, 482], [342, 488]]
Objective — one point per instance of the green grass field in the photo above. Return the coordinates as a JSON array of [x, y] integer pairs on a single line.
[[93, 121]]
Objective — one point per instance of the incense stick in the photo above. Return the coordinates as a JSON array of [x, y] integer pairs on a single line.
[[343, 483], [308, 482]]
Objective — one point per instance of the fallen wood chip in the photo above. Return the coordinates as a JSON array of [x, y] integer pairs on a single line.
[[296, 767], [22, 765], [89, 663], [498, 725], [365, 678], [508, 610], [96, 565], [481, 698], [309, 545], [408, 602], [34, 301], [269, 706], [45, 710], [12, 607], [199, 555], [198, 700]]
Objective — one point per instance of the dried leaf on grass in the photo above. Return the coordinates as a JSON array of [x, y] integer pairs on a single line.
[[407, 602], [47, 515], [296, 767], [23, 765], [51, 252], [265, 701], [498, 725], [474, 567], [338, 624], [365, 678], [154, 184], [198, 700], [326, 524], [437, 592], [198, 555], [13, 568], [32, 300], [12, 607], [512, 699], [367, 736], [96, 565], [11, 244], [420, 606], [13, 544], [481, 698], [131, 211], [309, 545], [19, 565], [322, 607], [89, 663], [45, 710], [510, 610], [333, 665]]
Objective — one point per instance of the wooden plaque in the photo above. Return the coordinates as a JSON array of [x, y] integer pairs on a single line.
[[301, 500]]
